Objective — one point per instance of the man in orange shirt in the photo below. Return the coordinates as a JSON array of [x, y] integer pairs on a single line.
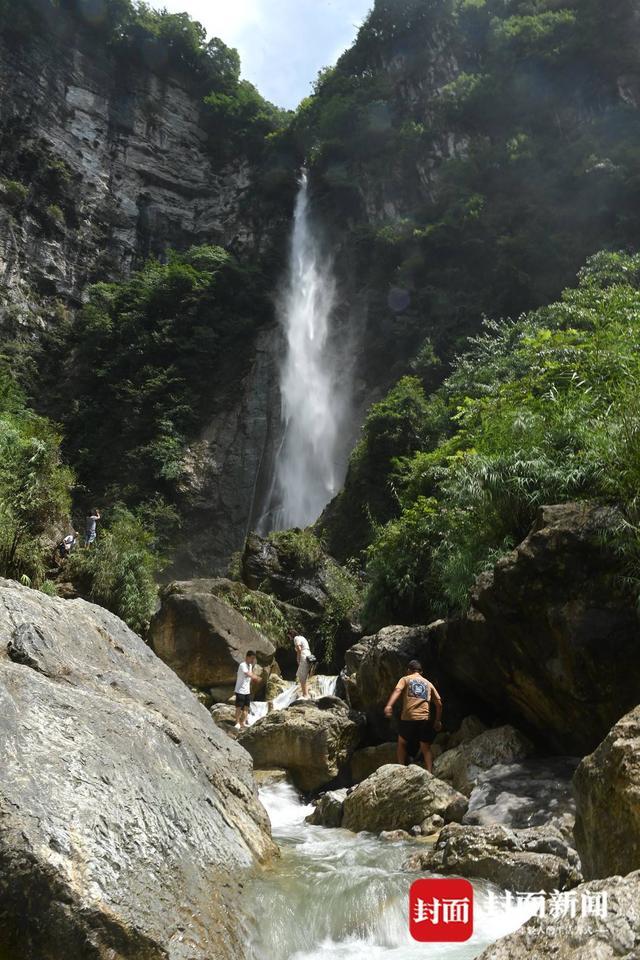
[[417, 724]]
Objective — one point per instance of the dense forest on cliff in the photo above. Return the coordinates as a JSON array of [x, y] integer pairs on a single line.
[[466, 158]]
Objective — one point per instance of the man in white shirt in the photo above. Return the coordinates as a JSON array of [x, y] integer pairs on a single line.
[[303, 653], [243, 688]]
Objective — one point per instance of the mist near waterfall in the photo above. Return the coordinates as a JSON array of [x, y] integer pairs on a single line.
[[314, 387]]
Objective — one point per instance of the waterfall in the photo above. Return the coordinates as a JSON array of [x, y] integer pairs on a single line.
[[308, 465]]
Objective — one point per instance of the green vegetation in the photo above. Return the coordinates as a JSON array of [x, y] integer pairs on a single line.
[[300, 549], [14, 192], [119, 571], [260, 609], [490, 186], [130, 377], [137, 35], [344, 591], [34, 487], [539, 410]]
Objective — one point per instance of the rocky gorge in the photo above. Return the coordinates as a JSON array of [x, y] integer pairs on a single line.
[[163, 795]]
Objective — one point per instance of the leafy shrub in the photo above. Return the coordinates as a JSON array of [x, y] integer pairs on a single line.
[[138, 361], [344, 599], [261, 611], [119, 571], [544, 409], [298, 548], [15, 192], [55, 214], [34, 485]]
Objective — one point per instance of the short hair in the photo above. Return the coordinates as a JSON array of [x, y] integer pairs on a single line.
[[250, 653], [415, 665]]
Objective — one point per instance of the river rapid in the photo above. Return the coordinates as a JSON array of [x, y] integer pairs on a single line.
[[336, 895]]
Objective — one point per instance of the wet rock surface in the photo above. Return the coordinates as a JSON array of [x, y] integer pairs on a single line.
[[329, 808], [537, 792], [127, 816], [607, 785], [313, 740], [614, 937], [400, 798], [538, 858], [462, 766]]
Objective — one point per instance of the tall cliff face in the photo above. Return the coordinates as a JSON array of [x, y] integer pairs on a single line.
[[122, 155], [106, 161], [469, 157]]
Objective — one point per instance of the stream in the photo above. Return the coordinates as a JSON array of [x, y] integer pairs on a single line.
[[336, 895]]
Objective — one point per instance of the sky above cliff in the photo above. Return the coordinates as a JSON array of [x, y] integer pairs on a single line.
[[282, 43]]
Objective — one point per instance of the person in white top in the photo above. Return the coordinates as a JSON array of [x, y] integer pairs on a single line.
[[243, 688], [303, 653]]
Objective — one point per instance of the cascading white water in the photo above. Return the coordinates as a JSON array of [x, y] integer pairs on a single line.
[[313, 398], [319, 686], [336, 895]]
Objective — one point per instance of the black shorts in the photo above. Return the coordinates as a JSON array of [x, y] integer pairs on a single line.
[[243, 700], [417, 731]]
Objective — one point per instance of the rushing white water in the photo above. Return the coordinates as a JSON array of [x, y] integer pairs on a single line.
[[313, 395], [319, 686], [335, 895]]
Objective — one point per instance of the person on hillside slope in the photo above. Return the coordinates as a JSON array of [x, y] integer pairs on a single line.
[[243, 688], [305, 661], [417, 723], [90, 529]]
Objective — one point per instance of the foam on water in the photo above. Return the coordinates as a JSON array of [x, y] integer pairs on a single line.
[[335, 895]]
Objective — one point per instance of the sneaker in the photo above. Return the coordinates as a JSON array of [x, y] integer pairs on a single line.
[[237, 727]]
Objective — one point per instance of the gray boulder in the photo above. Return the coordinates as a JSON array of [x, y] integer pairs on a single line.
[[470, 728], [328, 809], [202, 638], [127, 816], [607, 785], [614, 937], [462, 766], [535, 859], [551, 637], [313, 739], [401, 798], [366, 761]]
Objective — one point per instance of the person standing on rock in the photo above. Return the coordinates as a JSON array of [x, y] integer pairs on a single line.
[[305, 661], [243, 688], [416, 722]]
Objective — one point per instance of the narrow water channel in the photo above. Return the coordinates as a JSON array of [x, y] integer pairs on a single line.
[[335, 895]]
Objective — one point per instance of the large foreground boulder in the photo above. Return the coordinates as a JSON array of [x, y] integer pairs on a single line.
[[615, 936], [313, 739], [400, 798], [127, 816], [607, 785], [552, 635], [535, 859], [203, 638], [462, 766]]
